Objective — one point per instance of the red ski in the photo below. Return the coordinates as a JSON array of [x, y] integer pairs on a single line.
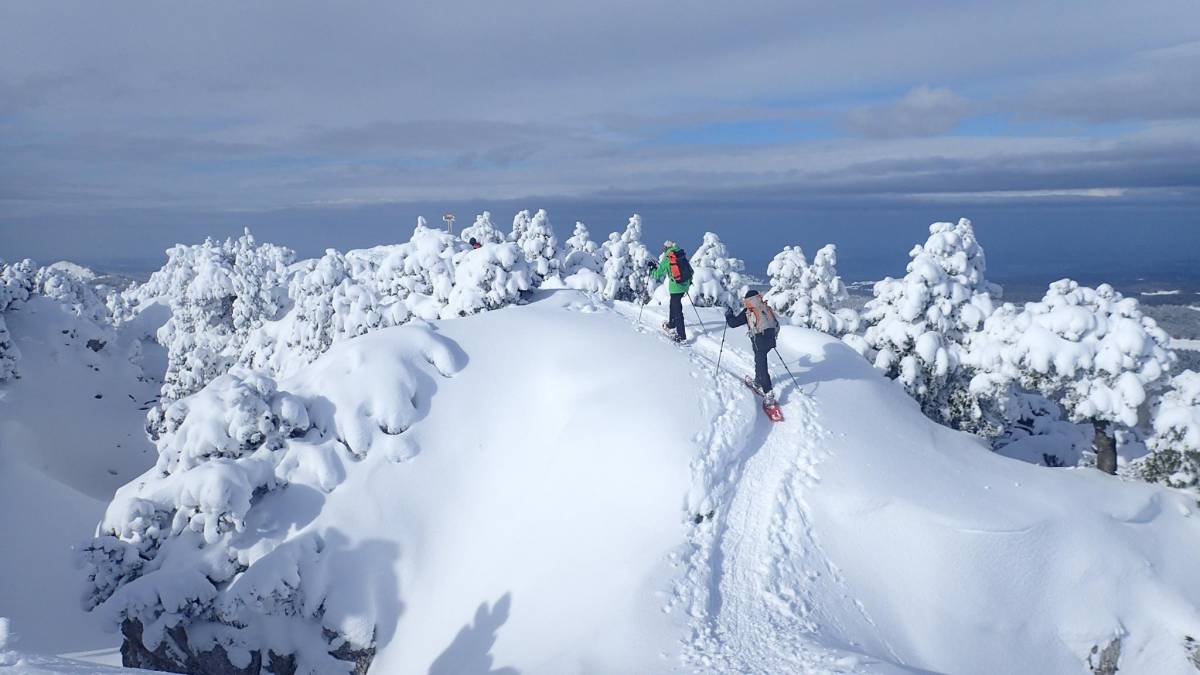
[[773, 412]]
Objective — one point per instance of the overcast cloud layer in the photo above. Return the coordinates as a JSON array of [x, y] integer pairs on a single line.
[[203, 114]]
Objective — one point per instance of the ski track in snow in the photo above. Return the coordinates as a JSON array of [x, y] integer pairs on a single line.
[[753, 576]]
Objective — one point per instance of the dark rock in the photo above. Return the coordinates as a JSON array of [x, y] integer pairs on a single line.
[[1104, 661], [175, 655]]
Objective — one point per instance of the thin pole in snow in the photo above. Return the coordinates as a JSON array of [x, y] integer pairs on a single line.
[[785, 367], [721, 351], [698, 319], [644, 300]]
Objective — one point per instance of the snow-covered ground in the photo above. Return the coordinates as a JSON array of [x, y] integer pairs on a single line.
[[540, 516], [71, 432]]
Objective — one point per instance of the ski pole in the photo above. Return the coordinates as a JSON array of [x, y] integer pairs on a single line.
[[698, 319], [789, 370], [721, 351], [647, 284]]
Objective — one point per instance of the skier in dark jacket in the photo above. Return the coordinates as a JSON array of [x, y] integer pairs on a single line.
[[760, 322], [669, 266], [475, 245]]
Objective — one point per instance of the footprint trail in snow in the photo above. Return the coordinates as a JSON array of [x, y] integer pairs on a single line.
[[755, 584]]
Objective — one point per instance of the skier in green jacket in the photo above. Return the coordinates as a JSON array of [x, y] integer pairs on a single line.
[[674, 265]]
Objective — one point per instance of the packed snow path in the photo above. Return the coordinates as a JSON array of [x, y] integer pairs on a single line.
[[755, 580]]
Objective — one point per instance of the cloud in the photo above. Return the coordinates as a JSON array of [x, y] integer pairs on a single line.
[[231, 106], [923, 111], [1158, 84]]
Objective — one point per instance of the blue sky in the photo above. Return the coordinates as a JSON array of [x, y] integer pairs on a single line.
[[1068, 131]]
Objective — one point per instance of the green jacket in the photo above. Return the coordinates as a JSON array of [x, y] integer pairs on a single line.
[[664, 270]]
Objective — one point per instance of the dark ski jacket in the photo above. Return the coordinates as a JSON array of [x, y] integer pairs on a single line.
[[763, 342]]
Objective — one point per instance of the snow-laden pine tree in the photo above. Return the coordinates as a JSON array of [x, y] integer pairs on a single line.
[[16, 284], [73, 293], [1174, 459], [625, 263], [583, 262], [201, 323], [420, 273], [717, 276], [487, 278], [918, 327], [482, 231], [519, 225], [539, 245], [808, 295], [219, 293], [580, 252], [259, 284], [1092, 351]]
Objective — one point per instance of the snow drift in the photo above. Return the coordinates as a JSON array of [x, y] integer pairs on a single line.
[[548, 488]]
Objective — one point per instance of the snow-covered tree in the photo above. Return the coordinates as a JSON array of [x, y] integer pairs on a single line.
[[16, 284], [488, 278], [537, 241], [520, 224], [809, 294], [625, 262], [580, 252], [1174, 459], [195, 580], [259, 284], [78, 296], [219, 293], [420, 273], [918, 327], [482, 230], [717, 277], [1092, 351], [334, 298]]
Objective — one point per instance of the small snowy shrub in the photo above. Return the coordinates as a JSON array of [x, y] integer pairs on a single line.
[[490, 277], [717, 279], [539, 245], [809, 294], [625, 263], [1092, 351], [482, 230], [197, 576], [918, 327], [1175, 442]]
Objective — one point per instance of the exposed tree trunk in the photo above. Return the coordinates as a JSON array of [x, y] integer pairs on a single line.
[[1105, 446]]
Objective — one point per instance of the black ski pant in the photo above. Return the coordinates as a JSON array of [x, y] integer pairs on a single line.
[[676, 316], [763, 344]]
